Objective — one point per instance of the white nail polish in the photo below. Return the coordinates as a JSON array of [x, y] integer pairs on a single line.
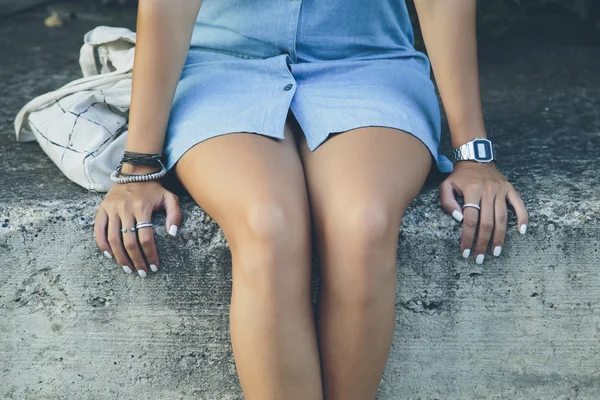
[[107, 254], [153, 267], [497, 251], [127, 269], [479, 259], [523, 229], [173, 230], [466, 253], [457, 215], [142, 273]]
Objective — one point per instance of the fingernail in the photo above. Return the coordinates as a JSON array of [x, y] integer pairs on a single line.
[[497, 250], [127, 269], [142, 273], [107, 254], [457, 215], [479, 259], [173, 230], [523, 229], [153, 267], [466, 253]]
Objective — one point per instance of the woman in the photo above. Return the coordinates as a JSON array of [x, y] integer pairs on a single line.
[[317, 112]]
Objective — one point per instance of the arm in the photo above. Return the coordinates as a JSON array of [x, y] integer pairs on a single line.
[[164, 32], [448, 28]]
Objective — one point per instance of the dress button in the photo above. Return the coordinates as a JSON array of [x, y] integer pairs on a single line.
[[288, 87]]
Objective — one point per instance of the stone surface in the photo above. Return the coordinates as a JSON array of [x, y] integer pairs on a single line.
[[523, 326], [12, 7]]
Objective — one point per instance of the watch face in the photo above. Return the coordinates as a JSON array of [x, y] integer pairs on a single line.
[[483, 150]]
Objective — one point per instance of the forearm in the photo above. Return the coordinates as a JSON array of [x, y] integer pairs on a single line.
[[164, 31], [448, 28]]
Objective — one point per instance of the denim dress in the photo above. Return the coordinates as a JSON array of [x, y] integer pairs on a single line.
[[336, 64]]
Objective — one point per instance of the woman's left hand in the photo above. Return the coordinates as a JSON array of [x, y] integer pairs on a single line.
[[483, 185]]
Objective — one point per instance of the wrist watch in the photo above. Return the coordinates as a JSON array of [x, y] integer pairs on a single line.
[[479, 149]]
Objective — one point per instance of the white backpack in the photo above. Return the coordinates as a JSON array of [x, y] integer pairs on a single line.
[[82, 126]]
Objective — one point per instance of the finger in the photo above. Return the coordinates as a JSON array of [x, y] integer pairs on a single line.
[[500, 219], [130, 241], [470, 222], [522, 216], [173, 210], [100, 226], [145, 237], [115, 238], [448, 199], [486, 226]]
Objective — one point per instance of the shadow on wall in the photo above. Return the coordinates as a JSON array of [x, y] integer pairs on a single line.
[[494, 17], [9, 8]]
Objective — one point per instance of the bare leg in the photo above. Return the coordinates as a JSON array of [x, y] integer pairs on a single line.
[[254, 188], [360, 183]]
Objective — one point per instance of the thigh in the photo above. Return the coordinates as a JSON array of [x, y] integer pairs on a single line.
[[366, 176], [244, 179]]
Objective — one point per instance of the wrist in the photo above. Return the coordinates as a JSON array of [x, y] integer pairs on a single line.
[[479, 150], [471, 163], [459, 140], [464, 133], [138, 168]]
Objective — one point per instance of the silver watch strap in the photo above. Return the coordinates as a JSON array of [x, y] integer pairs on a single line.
[[468, 152]]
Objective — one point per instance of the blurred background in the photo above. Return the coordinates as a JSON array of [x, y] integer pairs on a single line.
[[495, 17], [545, 48]]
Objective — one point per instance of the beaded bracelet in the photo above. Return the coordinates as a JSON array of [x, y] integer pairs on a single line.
[[142, 159]]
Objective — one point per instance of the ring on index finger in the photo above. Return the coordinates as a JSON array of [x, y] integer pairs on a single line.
[[471, 205], [144, 224]]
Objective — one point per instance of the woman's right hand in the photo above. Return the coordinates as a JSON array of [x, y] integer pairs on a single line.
[[123, 207]]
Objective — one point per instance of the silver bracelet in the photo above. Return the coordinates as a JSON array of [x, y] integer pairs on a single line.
[[139, 178]]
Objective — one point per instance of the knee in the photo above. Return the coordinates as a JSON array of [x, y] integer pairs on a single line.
[[364, 227], [273, 226], [266, 222], [270, 240], [362, 266]]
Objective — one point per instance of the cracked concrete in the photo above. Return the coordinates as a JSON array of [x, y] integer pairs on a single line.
[[523, 326]]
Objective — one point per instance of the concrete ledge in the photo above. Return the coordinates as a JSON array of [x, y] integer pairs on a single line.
[[525, 325]]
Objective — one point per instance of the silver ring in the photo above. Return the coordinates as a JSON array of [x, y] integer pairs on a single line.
[[124, 230], [133, 229], [471, 205], [143, 225]]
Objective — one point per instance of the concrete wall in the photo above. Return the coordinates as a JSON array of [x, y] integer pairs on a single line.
[[525, 325]]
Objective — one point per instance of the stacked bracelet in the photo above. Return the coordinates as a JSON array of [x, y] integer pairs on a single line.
[[139, 159]]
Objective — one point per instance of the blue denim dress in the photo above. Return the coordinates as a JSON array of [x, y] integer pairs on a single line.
[[336, 64]]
